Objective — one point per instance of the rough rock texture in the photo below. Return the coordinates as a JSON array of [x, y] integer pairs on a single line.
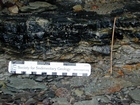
[[40, 33], [65, 35]]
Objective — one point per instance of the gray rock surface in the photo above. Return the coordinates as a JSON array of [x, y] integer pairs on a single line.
[[100, 88], [135, 94], [61, 101], [94, 101], [26, 83]]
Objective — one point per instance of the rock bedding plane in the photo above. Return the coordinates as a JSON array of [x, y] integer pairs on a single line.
[[71, 31]]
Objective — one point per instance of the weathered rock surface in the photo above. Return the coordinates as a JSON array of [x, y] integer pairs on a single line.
[[24, 84], [64, 35]]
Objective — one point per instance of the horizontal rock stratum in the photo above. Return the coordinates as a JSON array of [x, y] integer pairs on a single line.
[[38, 32]]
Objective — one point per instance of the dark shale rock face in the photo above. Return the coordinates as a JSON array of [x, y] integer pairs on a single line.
[[39, 33]]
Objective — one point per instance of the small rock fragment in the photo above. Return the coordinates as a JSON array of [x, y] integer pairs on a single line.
[[30, 101], [135, 94], [77, 8], [114, 88], [19, 4], [62, 92], [37, 6], [79, 92], [61, 101], [94, 7], [94, 101], [14, 9], [40, 78]]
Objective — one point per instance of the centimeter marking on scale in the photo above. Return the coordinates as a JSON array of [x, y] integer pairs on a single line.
[[49, 68]]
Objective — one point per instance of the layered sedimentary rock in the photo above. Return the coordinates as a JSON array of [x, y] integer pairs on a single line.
[[62, 30]]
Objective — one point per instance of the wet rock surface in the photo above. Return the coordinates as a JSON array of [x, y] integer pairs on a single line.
[[82, 36]]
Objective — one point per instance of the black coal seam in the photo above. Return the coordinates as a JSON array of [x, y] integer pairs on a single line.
[[73, 28]]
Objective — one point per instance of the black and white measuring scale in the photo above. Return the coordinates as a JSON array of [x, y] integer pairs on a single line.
[[49, 68]]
